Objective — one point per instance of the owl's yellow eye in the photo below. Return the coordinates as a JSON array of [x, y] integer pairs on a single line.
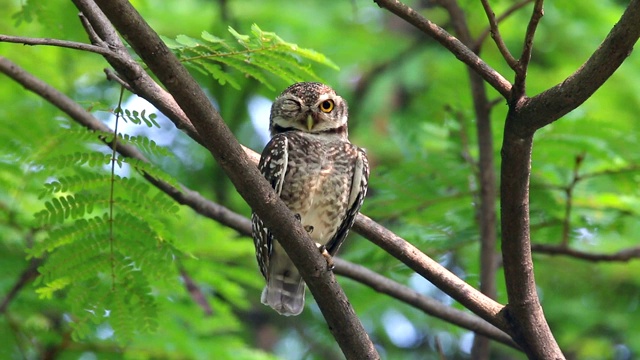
[[326, 106]]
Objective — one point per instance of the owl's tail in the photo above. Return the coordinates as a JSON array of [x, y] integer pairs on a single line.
[[284, 292]]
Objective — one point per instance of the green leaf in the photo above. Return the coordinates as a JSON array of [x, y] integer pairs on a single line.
[[257, 55]]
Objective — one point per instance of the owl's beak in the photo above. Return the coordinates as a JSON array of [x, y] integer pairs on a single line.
[[310, 122]]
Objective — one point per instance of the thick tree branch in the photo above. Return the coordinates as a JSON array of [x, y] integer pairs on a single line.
[[402, 250], [557, 101], [462, 52], [97, 24], [426, 304], [218, 139], [529, 327]]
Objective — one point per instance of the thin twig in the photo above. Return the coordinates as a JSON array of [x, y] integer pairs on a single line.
[[195, 292], [523, 63], [495, 34], [112, 76], [626, 169], [483, 35], [566, 224], [464, 137], [624, 255], [56, 42], [455, 46]]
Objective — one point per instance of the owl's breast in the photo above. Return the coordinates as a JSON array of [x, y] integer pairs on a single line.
[[317, 185]]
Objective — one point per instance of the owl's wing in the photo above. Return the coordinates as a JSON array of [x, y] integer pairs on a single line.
[[358, 191], [273, 166]]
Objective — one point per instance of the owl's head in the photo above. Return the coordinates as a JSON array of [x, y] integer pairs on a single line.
[[309, 107]]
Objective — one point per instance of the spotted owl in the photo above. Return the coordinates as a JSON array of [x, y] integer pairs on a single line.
[[318, 174]]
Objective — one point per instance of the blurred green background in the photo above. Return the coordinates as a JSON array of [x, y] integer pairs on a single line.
[[410, 107]]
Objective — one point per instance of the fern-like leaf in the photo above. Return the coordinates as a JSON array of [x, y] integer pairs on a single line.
[[140, 117], [79, 182], [145, 144], [255, 55], [69, 207], [104, 263]]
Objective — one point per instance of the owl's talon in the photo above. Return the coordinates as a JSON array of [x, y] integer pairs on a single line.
[[327, 256], [309, 229], [298, 217]]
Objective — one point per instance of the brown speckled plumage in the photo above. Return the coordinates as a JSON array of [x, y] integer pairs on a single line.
[[318, 173]]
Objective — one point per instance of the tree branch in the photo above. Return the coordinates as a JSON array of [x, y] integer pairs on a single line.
[[557, 101], [97, 24], [483, 35], [430, 306], [133, 75], [55, 42], [404, 251], [523, 64], [623, 255], [218, 139], [495, 34], [529, 327], [195, 292], [28, 275], [462, 52]]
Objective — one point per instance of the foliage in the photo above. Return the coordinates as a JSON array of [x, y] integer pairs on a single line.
[[117, 285], [259, 53]]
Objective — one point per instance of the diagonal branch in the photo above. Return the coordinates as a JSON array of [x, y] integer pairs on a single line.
[[623, 255], [402, 250], [430, 306], [256, 191], [523, 63], [55, 42], [28, 275], [455, 46], [495, 34], [483, 35], [557, 101], [129, 70]]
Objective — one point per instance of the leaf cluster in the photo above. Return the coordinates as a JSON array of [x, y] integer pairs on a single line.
[[102, 247], [258, 55]]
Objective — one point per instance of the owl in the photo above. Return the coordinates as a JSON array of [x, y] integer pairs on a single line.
[[318, 174]]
